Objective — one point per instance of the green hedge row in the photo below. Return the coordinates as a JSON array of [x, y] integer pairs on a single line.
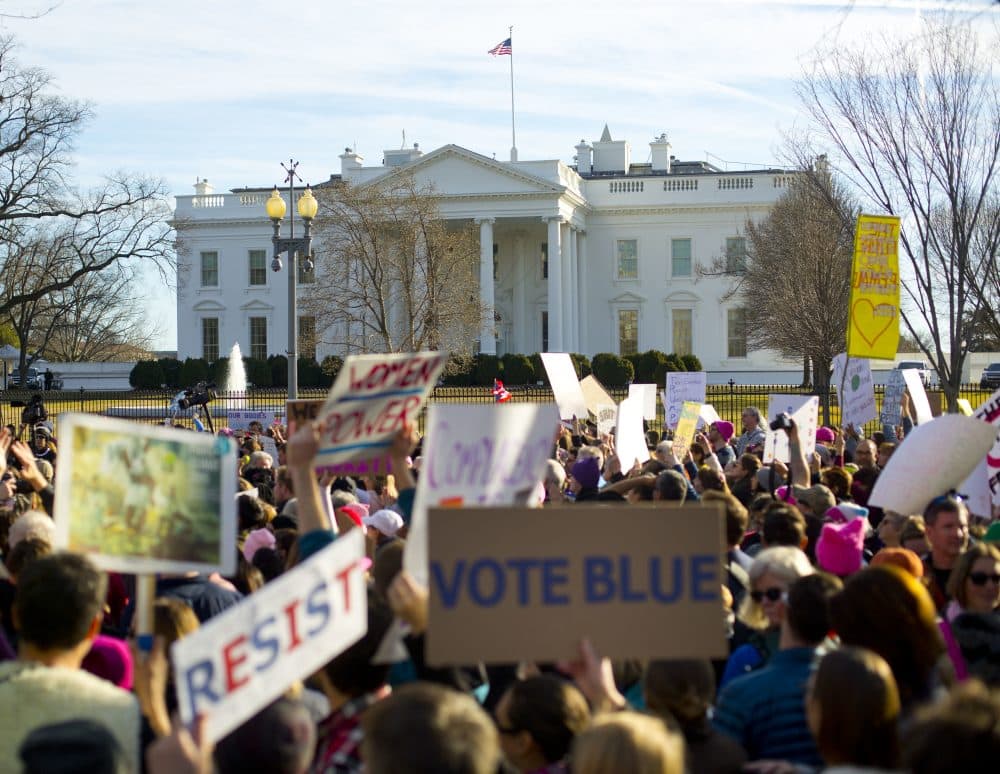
[[273, 372]]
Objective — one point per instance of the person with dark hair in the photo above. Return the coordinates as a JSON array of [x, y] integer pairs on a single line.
[[862, 731], [682, 692], [538, 719], [947, 523], [765, 710], [737, 563], [744, 485], [278, 740], [784, 525], [424, 728], [58, 613], [959, 734]]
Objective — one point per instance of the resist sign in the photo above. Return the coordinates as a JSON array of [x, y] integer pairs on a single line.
[[240, 661], [519, 584]]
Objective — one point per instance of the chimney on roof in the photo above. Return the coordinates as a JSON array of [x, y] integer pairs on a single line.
[[660, 152], [203, 187], [611, 155], [350, 161], [584, 158], [399, 157]]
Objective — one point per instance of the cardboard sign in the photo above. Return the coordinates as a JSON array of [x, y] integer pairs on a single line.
[[607, 417], [372, 399], [240, 419], [918, 396], [934, 458], [683, 386], [565, 386], [515, 585], [687, 425], [143, 498], [243, 659], [989, 411], [594, 394], [301, 411], [478, 455], [804, 409], [892, 400], [855, 390], [646, 393], [873, 322], [630, 439]]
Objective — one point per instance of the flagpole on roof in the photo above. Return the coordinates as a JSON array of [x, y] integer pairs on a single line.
[[513, 135]]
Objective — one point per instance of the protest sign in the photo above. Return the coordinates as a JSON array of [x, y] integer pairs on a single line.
[[918, 396], [565, 386], [934, 458], [646, 393], [989, 411], [630, 438], [301, 411], [852, 377], [892, 400], [964, 407], [143, 499], [607, 416], [873, 324], [512, 586], [804, 409], [976, 490], [707, 415], [687, 424], [478, 455], [594, 394], [240, 419], [373, 397], [243, 659], [682, 386]]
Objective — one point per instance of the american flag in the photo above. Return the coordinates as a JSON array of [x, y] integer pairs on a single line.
[[501, 49], [500, 393]]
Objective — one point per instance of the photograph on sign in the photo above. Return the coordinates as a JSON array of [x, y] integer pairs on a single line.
[[145, 498], [373, 397], [510, 586], [594, 394], [852, 378], [918, 396], [244, 658], [646, 393], [565, 385], [804, 409], [630, 437], [682, 386], [935, 457], [478, 455]]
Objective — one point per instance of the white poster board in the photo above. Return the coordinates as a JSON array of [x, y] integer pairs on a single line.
[[607, 418], [478, 455], [857, 398], [630, 439], [934, 458], [240, 419], [373, 397], [682, 386], [594, 394], [892, 399], [707, 415], [989, 411], [243, 659], [976, 490], [918, 397], [804, 409], [646, 393], [565, 385]]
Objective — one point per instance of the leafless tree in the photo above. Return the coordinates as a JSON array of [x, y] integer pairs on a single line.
[[392, 275], [913, 127]]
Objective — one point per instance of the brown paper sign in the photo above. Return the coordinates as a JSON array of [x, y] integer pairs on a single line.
[[298, 412], [513, 584]]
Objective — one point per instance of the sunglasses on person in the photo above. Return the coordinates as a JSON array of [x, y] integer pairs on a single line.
[[980, 578], [773, 594]]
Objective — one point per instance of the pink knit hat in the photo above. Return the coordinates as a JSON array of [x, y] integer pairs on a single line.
[[257, 539], [840, 547], [110, 659]]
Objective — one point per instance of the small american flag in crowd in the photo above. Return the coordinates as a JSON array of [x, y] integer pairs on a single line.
[[500, 393], [501, 48]]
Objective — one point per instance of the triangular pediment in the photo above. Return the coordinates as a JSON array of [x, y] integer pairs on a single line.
[[208, 305], [257, 306], [627, 298], [681, 297], [456, 171]]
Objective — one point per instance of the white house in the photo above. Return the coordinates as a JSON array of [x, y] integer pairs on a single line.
[[602, 256]]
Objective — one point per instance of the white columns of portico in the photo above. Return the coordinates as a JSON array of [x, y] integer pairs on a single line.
[[567, 286], [580, 292], [573, 296], [555, 284], [487, 332]]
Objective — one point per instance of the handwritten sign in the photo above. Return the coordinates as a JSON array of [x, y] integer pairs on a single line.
[[646, 393], [509, 586], [243, 659], [301, 411], [873, 323], [852, 377], [687, 424], [934, 458], [478, 455], [240, 419], [683, 386], [892, 401], [630, 439], [918, 396], [565, 385], [607, 417], [989, 411], [594, 394], [804, 409], [371, 400], [145, 499]]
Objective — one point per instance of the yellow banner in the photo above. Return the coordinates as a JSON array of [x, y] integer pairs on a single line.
[[687, 425], [873, 324]]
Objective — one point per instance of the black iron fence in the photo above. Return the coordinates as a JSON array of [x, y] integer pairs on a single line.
[[153, 407]]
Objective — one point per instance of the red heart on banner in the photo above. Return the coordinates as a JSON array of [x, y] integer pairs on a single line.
[[867, 323]]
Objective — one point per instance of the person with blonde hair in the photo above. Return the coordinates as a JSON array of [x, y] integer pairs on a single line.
[[627, 741]]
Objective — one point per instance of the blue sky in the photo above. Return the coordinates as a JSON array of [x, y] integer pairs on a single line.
[[226, 89]]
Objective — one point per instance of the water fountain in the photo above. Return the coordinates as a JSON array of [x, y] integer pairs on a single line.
[[235, 388]]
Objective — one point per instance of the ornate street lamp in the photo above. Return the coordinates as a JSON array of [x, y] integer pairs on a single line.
[[298, 249]]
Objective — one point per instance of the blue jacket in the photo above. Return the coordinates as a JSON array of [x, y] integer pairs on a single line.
[[765, 710]]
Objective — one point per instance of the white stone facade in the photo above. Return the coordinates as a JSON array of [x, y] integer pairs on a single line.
[[623, 242]]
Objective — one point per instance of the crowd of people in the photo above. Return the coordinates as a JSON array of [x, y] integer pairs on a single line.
[[859, 640]]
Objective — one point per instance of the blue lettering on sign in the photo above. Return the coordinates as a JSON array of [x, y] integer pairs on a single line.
[[266, 644], [629, 594], [317, 605], [598, 580], [705, 581], [447, 591], [199, 683], [554, 574], [657, 585], [523, 569], [499, 584]]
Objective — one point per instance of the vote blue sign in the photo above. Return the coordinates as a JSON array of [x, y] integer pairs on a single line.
[[512, 584]]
